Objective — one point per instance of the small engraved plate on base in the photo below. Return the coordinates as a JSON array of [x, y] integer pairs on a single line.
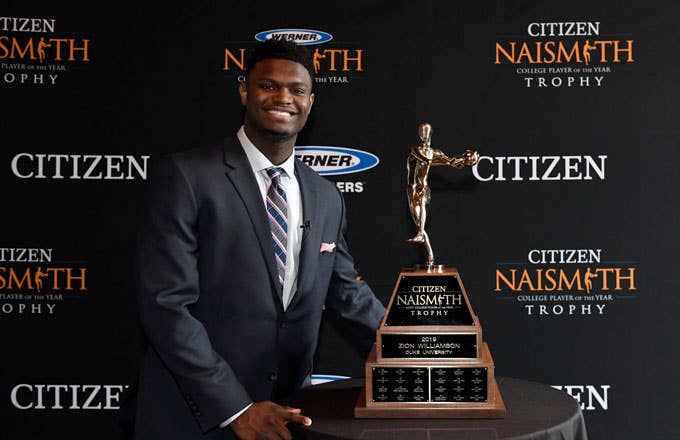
[[429, 345]]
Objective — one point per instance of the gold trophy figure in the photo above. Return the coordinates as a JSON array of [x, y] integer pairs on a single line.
[[421, 158]]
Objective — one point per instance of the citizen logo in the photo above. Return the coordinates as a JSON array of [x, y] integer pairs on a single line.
[[564, 256], [23, 24], [25, 255], [566, 29], [590, 397], [428, 289], [75, 397], [539, 168], [79, 166]]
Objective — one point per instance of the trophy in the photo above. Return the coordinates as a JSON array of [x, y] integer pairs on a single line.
[[429, 359]]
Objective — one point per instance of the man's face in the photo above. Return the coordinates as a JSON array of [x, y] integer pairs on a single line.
[[278, 97]]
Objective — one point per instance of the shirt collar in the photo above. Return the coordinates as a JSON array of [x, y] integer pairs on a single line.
[[258, 161]]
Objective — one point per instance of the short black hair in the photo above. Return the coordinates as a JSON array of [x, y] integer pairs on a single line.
[[283, 50]]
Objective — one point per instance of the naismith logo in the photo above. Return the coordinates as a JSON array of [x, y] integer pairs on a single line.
[[334, 63], [33, 283], [566, 282], [33, 52], [336, 160], [565, 54], [299, 36]]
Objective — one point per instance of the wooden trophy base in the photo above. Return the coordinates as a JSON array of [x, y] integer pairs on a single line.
[[493, 408]]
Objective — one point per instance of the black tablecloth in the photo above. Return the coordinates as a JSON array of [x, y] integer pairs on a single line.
[[534, 412]]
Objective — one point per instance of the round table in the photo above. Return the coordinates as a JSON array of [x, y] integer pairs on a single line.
[[534, 412]]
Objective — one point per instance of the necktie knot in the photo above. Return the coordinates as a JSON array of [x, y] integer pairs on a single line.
[[275, 173]]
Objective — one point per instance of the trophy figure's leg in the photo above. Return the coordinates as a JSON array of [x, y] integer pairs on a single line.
[[418, 204], [419, 215], [430, 254]]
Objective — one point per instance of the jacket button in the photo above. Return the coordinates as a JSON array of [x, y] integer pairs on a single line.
[[282, 324], [272, 377]]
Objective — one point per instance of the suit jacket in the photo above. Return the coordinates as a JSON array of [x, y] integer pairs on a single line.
[[209, 299]]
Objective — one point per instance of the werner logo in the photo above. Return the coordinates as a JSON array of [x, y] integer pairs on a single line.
[[299, 36], [335, 160]]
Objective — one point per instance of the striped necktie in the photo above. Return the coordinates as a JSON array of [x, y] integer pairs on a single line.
[[277, 211]]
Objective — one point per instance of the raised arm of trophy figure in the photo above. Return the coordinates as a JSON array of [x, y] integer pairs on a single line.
[[436, 157], [467, 159]]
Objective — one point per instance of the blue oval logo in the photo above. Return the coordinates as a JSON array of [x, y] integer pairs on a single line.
[[329, 161], [302, 37]]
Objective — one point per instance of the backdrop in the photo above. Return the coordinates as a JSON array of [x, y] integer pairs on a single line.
[[564, 234]]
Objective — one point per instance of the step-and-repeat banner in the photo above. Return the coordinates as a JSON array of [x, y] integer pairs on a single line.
[[565, 233]]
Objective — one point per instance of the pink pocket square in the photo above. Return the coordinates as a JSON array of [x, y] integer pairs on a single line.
[[327, 247]]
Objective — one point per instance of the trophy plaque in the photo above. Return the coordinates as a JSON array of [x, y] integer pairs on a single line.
[[429, 359]]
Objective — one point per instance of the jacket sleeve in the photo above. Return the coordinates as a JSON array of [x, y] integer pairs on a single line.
[[167, 285], [350, 299]]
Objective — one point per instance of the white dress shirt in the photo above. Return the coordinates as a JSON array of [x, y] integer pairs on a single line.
[[259, 164]]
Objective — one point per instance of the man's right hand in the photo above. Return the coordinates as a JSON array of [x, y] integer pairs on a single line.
[[267, 420]]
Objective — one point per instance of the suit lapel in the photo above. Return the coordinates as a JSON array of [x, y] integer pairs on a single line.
[[311, 238], [241, 176]]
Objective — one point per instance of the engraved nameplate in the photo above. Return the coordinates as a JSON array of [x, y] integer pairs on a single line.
[[459, 384], [430, 385], [429, 346], [401, 384]]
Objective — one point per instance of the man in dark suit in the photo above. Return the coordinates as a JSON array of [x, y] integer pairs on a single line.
[[241, 248]]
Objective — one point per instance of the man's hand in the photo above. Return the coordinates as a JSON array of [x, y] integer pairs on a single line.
[[267, 420]]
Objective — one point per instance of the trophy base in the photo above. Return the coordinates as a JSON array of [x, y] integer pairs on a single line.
[[491, 410], [368, 406]]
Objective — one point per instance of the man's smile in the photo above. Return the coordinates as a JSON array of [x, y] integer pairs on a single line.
[[284, 113]]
